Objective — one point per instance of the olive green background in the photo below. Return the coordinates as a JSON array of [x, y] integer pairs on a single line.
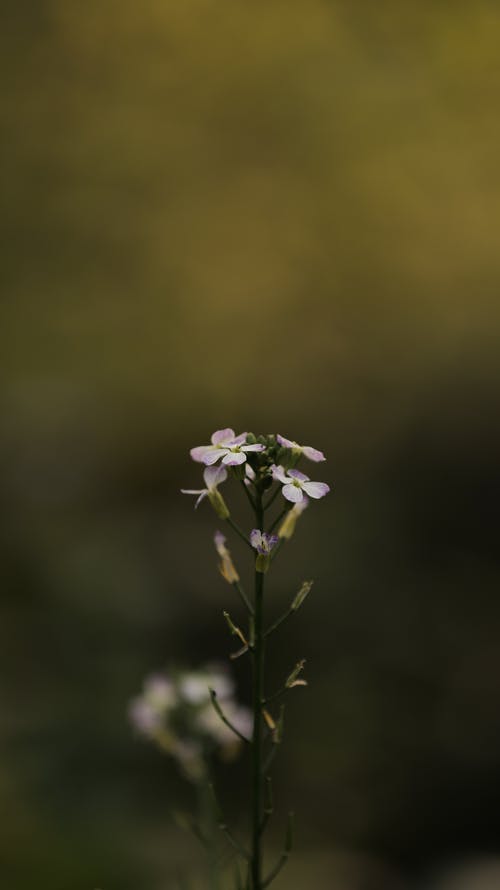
[[276, 216]]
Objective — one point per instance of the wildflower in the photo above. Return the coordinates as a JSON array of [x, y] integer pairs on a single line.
[[296, 483], [307, 450], [226, 566], [213, 477], [263, 544], [177, 714], [226, 445], [287, 527]]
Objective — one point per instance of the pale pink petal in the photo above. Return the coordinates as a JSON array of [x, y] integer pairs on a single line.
[[239, 440], [249, 472], [296, 474], [302, 505], [213, 476], [210, 457], [199, 453], [292, 493], [220, 543], [313, 453], [316, 489], [222, 436], [233, 458], [285, 443], [192, 490], [256, 538], [279, 474], [253, 447], [203, 494]]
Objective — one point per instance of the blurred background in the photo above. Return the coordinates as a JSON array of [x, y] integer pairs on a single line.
[[276, 216]]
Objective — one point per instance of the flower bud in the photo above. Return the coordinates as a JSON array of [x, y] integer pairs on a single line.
[[218, 503], [262, 563], [228, 570], [301, 595], [287, 527]]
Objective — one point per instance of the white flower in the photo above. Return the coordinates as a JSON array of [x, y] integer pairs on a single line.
[[306, 450], [226, 445], [296, 483]]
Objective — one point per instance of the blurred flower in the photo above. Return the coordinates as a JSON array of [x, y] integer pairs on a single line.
[[194, 685], [307, 450], [240, 717], [177, 714], [262, 542], [295, 483], [226, 566], [225, 445], [213, 477]]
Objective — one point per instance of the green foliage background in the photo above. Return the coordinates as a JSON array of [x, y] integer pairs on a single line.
[[275, 216]]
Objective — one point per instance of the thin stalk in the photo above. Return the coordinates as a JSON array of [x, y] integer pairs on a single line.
[[249, 496], [279, 621], [275, 695], [217, 708], [208, 821], [243, 596], [258, 685], [273, 496], [239, 532]]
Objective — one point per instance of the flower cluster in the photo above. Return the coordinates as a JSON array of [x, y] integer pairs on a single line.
[[175, 711], [258, 461]]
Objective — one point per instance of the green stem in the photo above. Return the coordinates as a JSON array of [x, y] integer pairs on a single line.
[[237, 586], [273, 496], [207, 819], [239, 532], [258, 686], [249, 496], [220, 713], [279, 621]]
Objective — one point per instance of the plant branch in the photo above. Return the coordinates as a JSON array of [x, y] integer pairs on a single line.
[[237, 586], [239, 532], [268, 806], [220, 712], [273, 497], [279, 621], [284, 856], [249, 496], [221, 822]]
